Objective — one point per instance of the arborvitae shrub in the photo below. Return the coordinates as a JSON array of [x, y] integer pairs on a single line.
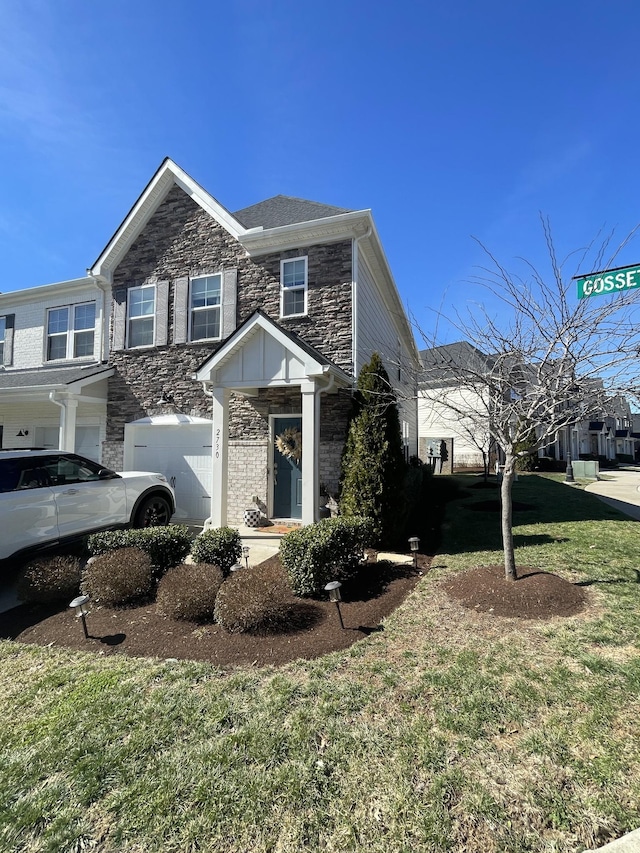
[[166, 546], [330, 550], [119, 577], [372, 463], [220, 546], [256, 599], [46, 580], [189, 592]]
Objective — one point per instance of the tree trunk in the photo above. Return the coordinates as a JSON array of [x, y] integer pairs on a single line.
[[507, 517]]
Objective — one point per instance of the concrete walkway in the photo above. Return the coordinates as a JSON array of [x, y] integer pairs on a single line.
[[620, 489]]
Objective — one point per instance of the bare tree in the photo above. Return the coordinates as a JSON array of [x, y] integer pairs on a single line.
[[537, 357]]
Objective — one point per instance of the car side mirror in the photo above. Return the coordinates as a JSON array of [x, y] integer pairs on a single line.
[[106, 474]]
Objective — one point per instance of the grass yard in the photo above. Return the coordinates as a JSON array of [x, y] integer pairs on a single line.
[[450, 730]]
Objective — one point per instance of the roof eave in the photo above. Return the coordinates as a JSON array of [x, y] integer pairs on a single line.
[[260, 241]]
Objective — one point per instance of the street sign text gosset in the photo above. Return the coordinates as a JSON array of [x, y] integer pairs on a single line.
[[609, 281]]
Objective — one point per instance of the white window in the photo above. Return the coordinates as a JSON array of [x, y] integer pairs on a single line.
[[293, 290], [204, 307], [141, 316], [70, 331], [405, 440], [3, 331]]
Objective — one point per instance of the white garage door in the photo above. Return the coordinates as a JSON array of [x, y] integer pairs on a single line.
[[183, 454]]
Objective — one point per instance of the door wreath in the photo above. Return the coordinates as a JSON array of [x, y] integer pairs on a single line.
[[289, 443]]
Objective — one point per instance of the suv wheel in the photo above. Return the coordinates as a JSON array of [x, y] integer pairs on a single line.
[[153, 512]]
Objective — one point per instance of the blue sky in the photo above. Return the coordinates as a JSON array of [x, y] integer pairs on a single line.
[[448, 120]]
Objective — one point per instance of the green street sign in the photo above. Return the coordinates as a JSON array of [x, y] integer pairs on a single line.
[[608, 281]]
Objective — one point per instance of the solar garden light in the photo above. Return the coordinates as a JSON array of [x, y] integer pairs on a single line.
[[414, 544], [80, 604], [333, 588], [245, 554]]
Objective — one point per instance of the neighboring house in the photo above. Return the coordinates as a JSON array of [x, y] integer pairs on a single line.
[[53, 371], [458, 414], [257, 320], [443, 404]]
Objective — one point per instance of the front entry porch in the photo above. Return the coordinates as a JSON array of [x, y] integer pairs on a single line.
[[266, 387]]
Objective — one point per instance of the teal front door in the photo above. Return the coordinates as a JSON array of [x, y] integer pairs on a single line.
[[287, 468]]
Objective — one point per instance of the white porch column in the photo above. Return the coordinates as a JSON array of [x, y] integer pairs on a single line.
[[220, 455], [310, 439], [68, 411]]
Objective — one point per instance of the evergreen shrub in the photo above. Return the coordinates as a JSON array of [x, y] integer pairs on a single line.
[[189, 592], [47, 580], [220, 546], [257, 600], [330, 550], [118, 578], [165, 546], [373, 465]]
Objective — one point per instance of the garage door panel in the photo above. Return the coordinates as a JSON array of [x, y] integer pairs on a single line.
[[183, 454]]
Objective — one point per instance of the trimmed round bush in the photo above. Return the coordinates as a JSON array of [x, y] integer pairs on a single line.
[[256, 600], [329, 550], [189, 592], [118, 578], [166, 546], [46, 580], [219, 546]]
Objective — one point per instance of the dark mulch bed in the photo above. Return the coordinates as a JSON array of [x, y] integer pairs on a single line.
[[314, 628], [534, 595]]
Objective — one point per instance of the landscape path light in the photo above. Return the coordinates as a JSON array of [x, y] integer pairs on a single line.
[[414, 544], [81, 606], [333, 588], [245, 554]]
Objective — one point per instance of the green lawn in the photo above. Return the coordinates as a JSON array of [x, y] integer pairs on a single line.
[[449, 730]]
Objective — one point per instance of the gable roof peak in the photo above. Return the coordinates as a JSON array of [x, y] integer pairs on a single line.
[[166, 176]]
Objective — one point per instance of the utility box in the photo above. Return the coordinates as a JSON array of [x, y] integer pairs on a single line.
[[586, 469]]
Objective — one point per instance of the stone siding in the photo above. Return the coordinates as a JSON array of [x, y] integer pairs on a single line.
[[183, 240]]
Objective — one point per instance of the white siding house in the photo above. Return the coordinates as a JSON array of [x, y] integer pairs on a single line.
[[53, 373]]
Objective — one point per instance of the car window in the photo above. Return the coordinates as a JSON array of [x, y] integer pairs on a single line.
[[19, 474], [10, 470], [71, 469]]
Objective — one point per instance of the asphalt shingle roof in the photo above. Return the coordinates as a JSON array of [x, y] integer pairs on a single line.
[[48, 376], [284, 210]]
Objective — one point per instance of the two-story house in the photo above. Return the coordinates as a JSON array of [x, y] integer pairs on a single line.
[[53, 370], [235, 341]]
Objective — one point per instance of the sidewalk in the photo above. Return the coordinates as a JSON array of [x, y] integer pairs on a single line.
[[620, 490]]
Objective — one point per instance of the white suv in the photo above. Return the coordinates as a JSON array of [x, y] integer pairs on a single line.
[[49, 496]]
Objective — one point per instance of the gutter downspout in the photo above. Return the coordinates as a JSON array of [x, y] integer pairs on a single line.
[[65, 422], [103, 286]]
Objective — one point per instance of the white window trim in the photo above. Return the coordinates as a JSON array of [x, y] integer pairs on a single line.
[[190, 309], [142, 316], [3, 338], [282, 287], [70, 333]]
